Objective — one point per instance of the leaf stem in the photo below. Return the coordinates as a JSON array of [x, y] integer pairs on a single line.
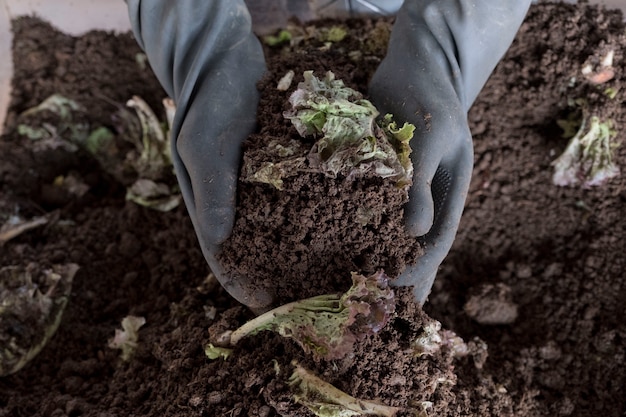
[[320, 303]]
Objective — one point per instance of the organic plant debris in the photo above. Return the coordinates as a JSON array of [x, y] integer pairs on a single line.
[[308, 233], [554, 255]]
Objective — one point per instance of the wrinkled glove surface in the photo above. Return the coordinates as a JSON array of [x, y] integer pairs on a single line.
[[207, 59], [439, 57]]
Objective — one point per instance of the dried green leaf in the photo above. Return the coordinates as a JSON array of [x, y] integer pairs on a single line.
[[64, 118], [127, 339], [325, 400], [57, 104], [32, 301], [157, 196], [284, 36], [213, 352], [286, 160], [273, 173], [154, 146], [332, 34], [139, 150], [588, 159], [329, 325], [349, 140]]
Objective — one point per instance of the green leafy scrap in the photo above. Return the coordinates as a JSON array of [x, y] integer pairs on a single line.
[[588, 159], [332, 34], [157, 196], [400, 138], [138, 156], [32, 299], [571, 124], [153, 143], [328, 325], [285, 160], [214, 352], [325, 400], [611, 92], [153, 160], [68, 122], [273, 173], [349, 140], [100, 138], [127, 339], [282, 37]]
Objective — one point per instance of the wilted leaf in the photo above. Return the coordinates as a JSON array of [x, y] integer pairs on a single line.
[[157, 196], [57, 117], [329, 325], [325, 400], [138, 150], [588, 158], [284, 36], [32, 301], [214, 352], [349, 140], [127, 339]]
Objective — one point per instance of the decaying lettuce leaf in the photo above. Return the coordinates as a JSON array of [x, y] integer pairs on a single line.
[[157, 196], [127, 339], [349, 141], [282, 37], [273, 173], [69, 123], [152, 159], [32, 301], [588, 158], [213, 352], [285, 82], [138, 155], [325, 400], [433, 339], [329, 325], [335, 33], [152, 144], [429, 341], [287, 160], [295, 34], [400, 140]]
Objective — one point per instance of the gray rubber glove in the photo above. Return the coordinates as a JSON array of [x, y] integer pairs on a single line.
[[208, 61], [440, 54]]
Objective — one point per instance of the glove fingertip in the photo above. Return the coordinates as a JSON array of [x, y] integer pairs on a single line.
[[255, 297], [218, 224], [419, 213]]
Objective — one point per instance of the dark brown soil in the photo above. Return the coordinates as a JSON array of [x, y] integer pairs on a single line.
[[550, 258], [316, 229]]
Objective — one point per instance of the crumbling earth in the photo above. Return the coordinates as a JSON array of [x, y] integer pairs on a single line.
[[552, 258]]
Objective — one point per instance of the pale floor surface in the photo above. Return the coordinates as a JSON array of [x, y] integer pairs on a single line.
[[78, 16], [71, 16]]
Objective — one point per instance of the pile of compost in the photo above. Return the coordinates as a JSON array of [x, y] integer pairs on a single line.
[[530, 298]]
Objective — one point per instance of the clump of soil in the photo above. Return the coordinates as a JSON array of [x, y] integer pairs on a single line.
[[558, 252], [309, 235]]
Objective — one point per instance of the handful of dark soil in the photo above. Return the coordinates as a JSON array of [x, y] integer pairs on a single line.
[[323, 199]]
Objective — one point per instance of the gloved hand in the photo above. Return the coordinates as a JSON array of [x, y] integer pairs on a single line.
[[440, 54], [207, 59]]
